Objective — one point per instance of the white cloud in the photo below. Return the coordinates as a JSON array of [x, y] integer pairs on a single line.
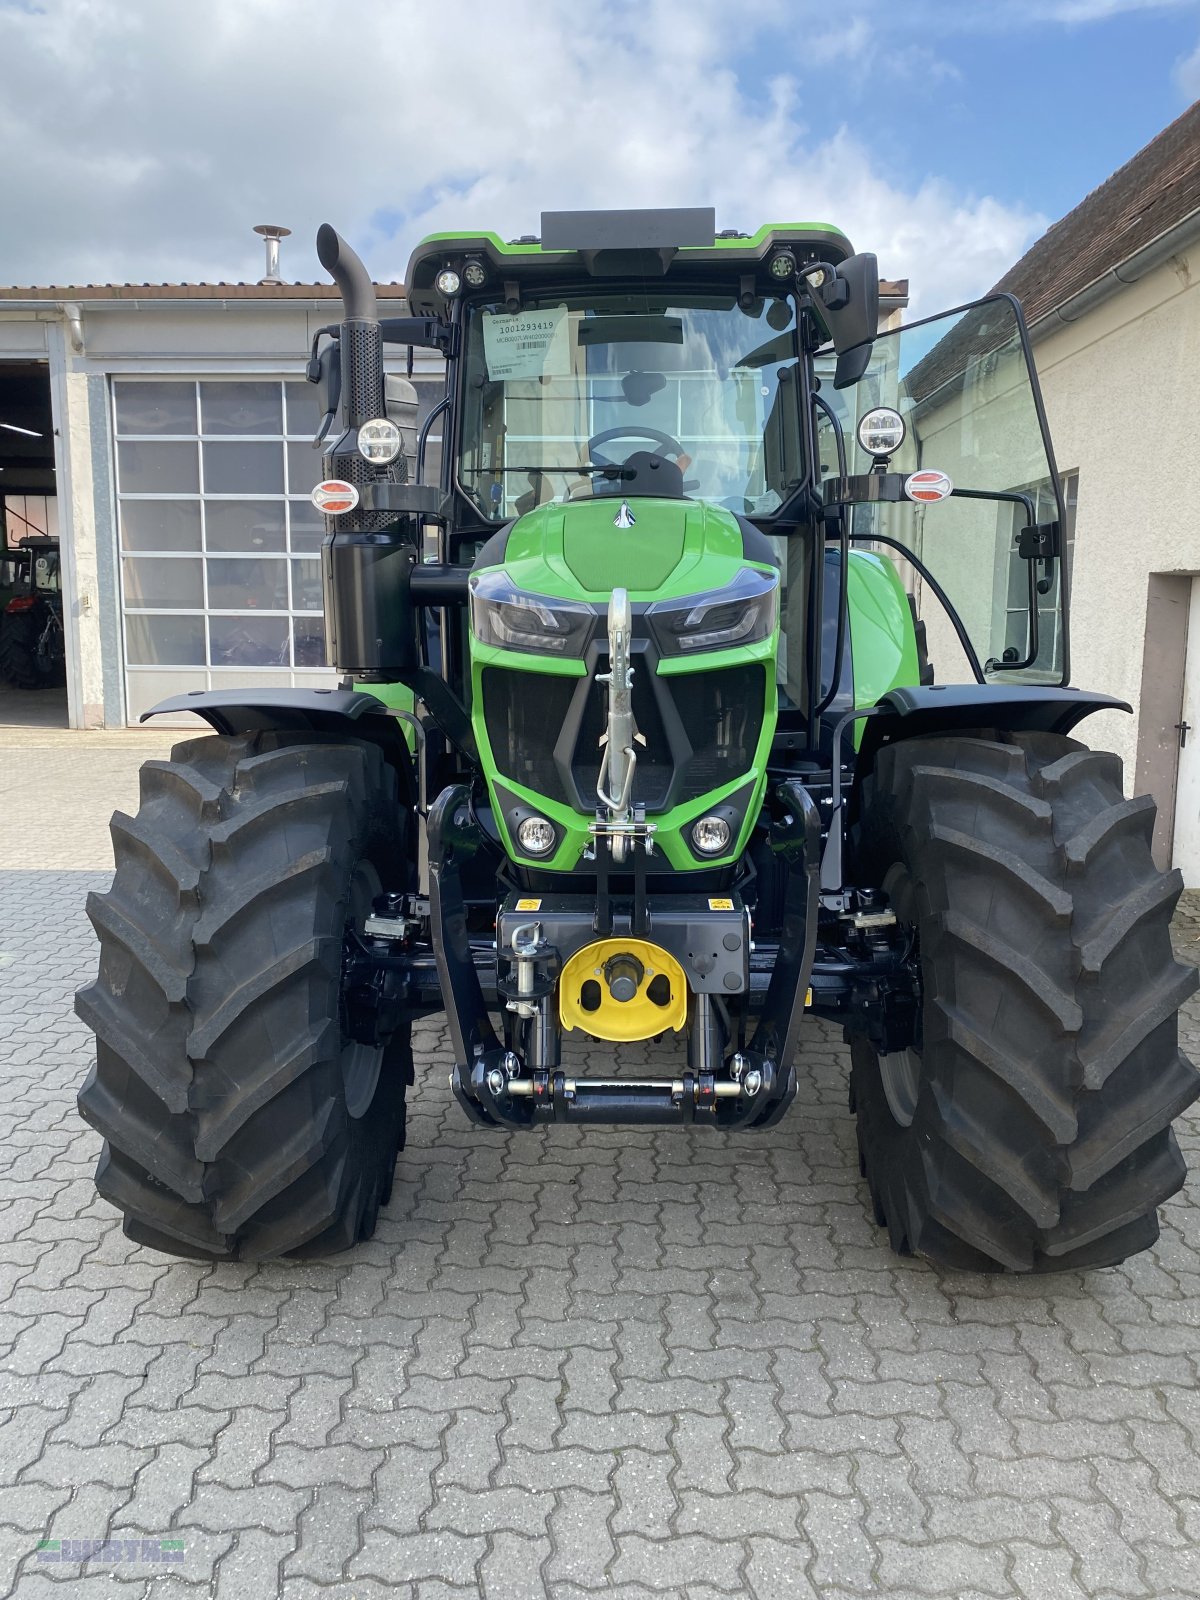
[[1187, 75], [1097, 10], [1007, 15], [940, 18], [144, 140]]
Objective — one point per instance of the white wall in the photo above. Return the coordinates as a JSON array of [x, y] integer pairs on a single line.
[[1122, 391]]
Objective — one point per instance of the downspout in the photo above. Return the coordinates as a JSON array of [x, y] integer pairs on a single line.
[[73, 316]]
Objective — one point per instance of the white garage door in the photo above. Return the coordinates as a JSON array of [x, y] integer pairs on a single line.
[[220, 569]]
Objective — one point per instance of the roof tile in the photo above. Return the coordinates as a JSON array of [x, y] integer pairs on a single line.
[[1149, 194]]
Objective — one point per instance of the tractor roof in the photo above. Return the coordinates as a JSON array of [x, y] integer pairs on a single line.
[[618, 244]]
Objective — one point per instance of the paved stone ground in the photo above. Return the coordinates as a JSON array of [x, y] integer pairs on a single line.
[[59, 786], [32, 708], [637, 1363]]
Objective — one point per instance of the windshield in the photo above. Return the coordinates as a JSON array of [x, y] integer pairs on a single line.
[[569, 384], [963, 386]]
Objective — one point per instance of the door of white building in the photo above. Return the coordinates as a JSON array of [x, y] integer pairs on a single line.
[[1186, 849]]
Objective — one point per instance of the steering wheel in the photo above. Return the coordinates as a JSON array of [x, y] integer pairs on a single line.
[[666, 443]]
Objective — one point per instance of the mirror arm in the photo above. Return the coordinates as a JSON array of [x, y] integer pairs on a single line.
[[427, 333], [423, 437]]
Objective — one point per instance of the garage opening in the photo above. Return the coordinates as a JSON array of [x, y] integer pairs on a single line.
[[32, 642]]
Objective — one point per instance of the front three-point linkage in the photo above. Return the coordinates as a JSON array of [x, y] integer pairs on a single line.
[[617, 819]]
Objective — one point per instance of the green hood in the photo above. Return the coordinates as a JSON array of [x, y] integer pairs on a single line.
[[577, 550]]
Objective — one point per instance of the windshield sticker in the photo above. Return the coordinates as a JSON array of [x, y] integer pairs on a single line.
[[928, 485], [526, 344]]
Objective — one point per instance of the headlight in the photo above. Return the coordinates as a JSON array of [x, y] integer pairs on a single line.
[[744, 612], [502, 614], [536, 836], [711, 835], [379, 441]]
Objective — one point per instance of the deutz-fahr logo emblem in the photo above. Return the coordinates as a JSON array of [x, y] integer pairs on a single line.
[[625, 517]]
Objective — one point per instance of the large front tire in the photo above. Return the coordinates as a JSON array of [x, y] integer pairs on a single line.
[[239, 1119], [1029, 1127]]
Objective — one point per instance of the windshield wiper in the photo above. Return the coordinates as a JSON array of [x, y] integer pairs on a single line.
[[607, 472]]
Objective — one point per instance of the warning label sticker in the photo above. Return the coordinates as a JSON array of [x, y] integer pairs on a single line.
[[527, 344], [529, 905], [720, 905]]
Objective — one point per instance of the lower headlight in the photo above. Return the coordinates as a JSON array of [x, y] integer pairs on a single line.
[[502, 614], [744, 612], [536, 836], [711, 836]]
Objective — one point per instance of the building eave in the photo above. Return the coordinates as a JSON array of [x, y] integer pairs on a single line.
[[1122, 275]]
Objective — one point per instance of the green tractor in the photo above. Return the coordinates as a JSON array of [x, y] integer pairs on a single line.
[[638, 740]]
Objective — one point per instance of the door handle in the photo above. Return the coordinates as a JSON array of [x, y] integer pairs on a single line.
[[1183, 729]]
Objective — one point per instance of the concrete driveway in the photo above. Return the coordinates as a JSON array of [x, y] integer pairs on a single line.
[[633, 1363]]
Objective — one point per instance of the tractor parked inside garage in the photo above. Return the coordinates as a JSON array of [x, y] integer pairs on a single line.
[[637, 739], [32, 649]]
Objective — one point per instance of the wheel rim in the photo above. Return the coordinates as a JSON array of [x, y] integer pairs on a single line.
[[900, 1074], [361, 1063]]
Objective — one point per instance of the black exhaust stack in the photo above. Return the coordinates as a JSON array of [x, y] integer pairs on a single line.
[[361, 340], [369, 553]]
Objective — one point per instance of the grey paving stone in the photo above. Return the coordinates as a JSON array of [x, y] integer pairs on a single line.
[[252, 1565], [632, 1362], [329, 1534]]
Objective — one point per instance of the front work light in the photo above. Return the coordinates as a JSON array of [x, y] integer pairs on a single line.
[[783, 265], [536, 836], [474, 274], [379, 441], [881, 431], [448, 282], [711, 835]]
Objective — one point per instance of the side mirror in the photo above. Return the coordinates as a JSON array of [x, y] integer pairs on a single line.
[[325, 370], [850, 308]]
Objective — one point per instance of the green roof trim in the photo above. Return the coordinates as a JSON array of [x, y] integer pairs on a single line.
[[751, 242], [719, 259]]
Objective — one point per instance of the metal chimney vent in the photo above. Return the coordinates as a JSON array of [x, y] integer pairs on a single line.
[[272, 235]]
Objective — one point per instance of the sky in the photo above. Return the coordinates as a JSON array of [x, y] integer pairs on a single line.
[[142, 139]]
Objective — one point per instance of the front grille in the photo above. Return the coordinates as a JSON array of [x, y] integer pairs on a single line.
[[655, 766], [524, 713], [722, 714], [700, 729]]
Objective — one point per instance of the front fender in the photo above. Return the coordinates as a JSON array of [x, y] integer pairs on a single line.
[[910, 711], [232, 711], [323, 711]]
